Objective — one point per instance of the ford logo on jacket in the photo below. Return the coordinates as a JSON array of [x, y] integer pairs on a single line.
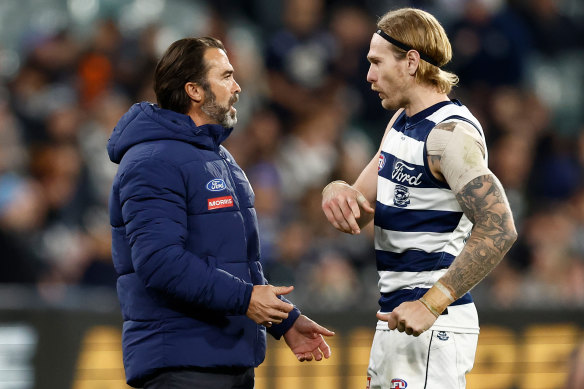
[[216, 185]]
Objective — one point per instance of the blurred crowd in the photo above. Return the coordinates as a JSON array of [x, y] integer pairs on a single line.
[[306, 116]]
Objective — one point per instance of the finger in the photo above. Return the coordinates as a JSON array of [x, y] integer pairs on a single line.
[[325, 348], [409, 330], [391, 321], [365, 204], [349, 215], [340, 218], [323, 331], [331, 218], [317, 355], [308, 357], [267, 324], [282, 306], [277, 316], [354, 205], [280, 290], [401, 325]]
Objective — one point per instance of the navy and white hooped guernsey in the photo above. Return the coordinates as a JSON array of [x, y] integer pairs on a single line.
[[419, 225]]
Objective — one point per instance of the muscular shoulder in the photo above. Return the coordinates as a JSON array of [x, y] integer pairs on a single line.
[[456, 153], [444, 133]]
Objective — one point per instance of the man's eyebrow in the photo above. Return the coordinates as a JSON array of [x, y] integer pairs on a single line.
[[373, 58], [228, 72]]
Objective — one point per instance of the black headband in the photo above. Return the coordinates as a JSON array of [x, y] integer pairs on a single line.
[[405, 47]]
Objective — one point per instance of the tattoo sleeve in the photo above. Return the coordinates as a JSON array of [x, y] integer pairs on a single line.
[[484, 202]]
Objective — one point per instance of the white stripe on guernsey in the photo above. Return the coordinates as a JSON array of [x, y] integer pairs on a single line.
[[390, 281], [450, 110], [398, 241], [456, 245], [408, 149], [430, 242], [435, 199]]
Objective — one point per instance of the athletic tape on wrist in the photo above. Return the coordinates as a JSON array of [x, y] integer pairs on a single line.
[[430, 307], [440, 286], [335, 182]]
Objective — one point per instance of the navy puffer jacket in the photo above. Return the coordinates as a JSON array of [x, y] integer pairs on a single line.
[[185, 246]]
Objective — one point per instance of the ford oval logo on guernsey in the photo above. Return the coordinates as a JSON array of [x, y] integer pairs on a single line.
[[216, 185]]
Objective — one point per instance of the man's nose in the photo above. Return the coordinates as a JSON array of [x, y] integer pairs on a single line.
[[237, 88], [371, 76]]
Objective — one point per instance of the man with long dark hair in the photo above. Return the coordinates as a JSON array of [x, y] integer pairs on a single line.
[[194, 300]]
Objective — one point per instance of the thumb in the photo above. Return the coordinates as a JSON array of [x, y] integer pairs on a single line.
[[382, 316], [365, 204], [279, 290]]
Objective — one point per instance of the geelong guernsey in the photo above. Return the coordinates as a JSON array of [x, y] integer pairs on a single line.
[[419, 225]]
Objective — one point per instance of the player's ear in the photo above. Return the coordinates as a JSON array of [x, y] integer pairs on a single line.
[[413, 58], [194, 91]]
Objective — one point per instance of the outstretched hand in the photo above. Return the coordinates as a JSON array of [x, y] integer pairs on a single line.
[[305, 339]]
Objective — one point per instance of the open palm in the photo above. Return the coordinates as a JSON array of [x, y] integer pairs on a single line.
[[305, 339]]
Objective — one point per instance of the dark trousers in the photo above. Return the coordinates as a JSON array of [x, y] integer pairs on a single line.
[[194, 378]]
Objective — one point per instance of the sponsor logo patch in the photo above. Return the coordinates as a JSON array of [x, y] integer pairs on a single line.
[[398, 383], [381, 162], [401, 196], [220, 202], [405, 174], [442, 335], [216, 185]]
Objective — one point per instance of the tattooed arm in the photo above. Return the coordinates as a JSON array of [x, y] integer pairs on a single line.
[[483, 201], [459, 159], [456, 155]]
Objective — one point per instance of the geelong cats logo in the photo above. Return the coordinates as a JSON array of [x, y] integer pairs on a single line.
[[401, 196]]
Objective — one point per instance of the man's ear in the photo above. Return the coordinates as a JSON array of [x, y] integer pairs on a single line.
[[413, 58], [195, 91]]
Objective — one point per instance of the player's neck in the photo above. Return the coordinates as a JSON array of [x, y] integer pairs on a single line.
[[421, 98]]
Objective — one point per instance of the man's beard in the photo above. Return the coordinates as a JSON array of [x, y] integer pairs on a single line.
[[220, 114]]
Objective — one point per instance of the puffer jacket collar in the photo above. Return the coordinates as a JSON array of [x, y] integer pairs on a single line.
[[146, 122]]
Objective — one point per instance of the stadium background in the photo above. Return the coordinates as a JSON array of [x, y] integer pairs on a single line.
[[70, 68]]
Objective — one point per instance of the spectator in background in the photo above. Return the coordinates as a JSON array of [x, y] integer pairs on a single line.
[[194, 299], [350, 27], [491, 44], [299, 60], [22, 211]]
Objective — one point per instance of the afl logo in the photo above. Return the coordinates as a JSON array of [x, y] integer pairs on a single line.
[[381, 162], [397, 383], [216, 185]]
